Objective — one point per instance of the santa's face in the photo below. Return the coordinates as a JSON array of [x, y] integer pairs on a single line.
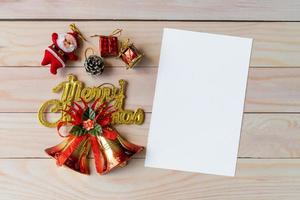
[[66, 42]]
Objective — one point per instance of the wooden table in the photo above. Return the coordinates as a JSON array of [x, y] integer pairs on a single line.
[[269, 155]]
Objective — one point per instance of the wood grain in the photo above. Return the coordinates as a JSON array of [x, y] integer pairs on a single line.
[[275, 44], [263, 136], [273, 90], [155, 10], [270, 136], [269, 152], [255, 179], [25, 89]]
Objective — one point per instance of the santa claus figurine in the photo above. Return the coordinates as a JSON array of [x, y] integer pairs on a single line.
[[62, 49]]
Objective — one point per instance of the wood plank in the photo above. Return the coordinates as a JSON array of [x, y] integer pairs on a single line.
[[263, 136], [21, 135], [255, 179], [275, 44], [273, 90], [155, 9], [270, 136], [25, 89]]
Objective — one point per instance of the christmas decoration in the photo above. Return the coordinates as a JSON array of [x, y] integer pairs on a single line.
[[93, 64], [74, 91], [62, 49], [108, 45], [129, 54], [92, 130]]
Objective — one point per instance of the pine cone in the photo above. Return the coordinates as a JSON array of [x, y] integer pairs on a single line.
[[94, 65]]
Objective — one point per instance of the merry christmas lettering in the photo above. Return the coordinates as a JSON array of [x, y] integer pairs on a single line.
[[74, 90]]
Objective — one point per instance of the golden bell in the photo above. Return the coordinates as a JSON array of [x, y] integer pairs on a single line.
[[73, 158], [117, 152], [73, 153]]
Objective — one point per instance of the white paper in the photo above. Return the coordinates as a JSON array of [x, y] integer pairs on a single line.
[[198, 104]]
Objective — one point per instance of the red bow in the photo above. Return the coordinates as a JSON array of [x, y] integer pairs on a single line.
[[81, 133]]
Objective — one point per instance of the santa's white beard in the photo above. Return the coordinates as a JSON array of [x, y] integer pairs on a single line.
[[60, 42]]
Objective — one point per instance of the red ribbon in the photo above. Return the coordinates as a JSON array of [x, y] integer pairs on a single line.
[[103, 118]]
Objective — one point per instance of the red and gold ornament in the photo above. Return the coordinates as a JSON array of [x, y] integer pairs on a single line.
[[129, 54], [109, 45], [62, 49], [92, 131]]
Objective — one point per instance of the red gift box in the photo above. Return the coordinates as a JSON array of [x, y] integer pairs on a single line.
[[108, 46]]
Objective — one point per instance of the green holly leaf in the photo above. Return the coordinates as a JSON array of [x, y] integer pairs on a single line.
[[96, 131], [88, 114], [78, 131]]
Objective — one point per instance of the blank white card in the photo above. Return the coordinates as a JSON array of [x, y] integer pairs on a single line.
[[198, 105]]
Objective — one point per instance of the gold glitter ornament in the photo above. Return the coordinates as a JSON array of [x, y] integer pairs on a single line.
[[74, 90]]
